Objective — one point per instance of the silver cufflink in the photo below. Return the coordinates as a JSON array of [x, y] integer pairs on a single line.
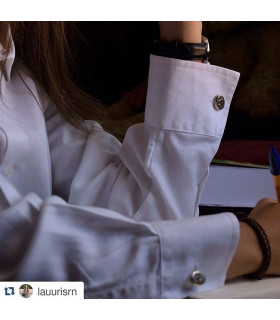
[[219, 102], [198, 277]]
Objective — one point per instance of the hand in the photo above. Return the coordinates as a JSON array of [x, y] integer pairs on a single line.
[[183, 31], [248, 256]]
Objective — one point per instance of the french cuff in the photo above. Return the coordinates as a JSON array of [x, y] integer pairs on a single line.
[[196, 253], [189, 96]]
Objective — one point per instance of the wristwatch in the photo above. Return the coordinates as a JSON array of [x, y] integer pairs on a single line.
[[180, 50]]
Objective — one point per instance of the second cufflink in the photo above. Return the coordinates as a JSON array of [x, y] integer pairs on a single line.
[[198, 277], [219, 102]]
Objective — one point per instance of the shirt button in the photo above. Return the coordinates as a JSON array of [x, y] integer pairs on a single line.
[[9, 170], [219, 102], [198, 277]]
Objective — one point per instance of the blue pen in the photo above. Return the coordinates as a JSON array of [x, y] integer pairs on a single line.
[[274, 163]]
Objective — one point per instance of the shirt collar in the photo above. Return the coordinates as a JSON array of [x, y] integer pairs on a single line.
[[8, 59]]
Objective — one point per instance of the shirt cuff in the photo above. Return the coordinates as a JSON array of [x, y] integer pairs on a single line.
[[209, 246], [181, 94]]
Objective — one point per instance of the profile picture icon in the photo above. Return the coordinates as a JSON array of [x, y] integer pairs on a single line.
[[26, 290]]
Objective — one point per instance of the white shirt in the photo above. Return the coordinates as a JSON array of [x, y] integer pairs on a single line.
[[121, 218]]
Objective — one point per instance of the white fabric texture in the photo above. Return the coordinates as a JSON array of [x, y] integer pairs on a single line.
[[121, 218]]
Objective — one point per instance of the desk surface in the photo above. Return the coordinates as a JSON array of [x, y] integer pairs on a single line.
[[267, 288]]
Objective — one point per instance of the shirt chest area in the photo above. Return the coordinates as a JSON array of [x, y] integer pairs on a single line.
[[24, 153]]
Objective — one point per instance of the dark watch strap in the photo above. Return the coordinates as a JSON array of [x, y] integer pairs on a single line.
[[183, 51]]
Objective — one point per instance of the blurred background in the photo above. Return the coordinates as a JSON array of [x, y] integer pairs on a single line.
[[114, 62]]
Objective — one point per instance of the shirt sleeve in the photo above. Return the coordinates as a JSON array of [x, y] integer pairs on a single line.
[[123, 218], [159, 171], [115, 256]]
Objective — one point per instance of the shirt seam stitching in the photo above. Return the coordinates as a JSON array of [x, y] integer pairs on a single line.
[[217, 70], [148, 158], [189, 132], [113, 184], [160, 258]]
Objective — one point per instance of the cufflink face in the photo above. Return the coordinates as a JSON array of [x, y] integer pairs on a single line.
[[198, 277], [219, 102]]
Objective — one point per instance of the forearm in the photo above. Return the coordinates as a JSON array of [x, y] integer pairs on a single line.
[[250, 255]]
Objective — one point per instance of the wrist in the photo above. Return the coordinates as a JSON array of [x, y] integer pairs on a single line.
[[183, 31], [248, 255]]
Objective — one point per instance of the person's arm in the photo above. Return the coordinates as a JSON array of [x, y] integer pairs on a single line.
[[115, 256], [85, 230], [166, 135], [183, 31], [157, 174], [248, 256], [163, 163]]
